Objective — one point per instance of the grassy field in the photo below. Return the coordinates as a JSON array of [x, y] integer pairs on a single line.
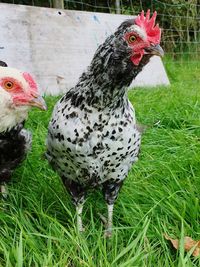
[[161, 194]]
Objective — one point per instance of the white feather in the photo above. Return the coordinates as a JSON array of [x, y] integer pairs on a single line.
[[16, 74], [140, 31]]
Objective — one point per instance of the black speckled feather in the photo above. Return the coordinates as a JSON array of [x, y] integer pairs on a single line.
[[93, 138]]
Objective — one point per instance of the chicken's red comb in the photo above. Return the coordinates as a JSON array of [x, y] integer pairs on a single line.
[[153, 31]]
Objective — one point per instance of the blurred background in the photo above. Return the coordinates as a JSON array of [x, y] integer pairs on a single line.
[[180, 21]]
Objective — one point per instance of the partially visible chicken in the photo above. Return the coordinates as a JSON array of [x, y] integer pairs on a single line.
[[18, 92], [93, 138]]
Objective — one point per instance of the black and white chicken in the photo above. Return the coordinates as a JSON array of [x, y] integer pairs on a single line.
[[92, 136], [18, 92]]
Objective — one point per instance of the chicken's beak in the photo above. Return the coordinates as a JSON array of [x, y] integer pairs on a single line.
[[38, 102], [155, 50]]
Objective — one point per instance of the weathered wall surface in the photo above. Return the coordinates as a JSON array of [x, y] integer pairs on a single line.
[[56, 46]]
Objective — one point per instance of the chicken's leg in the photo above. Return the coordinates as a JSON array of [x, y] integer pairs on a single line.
[[79, 209], [77, 193], [4, 190], [108, 231], [110, 191]]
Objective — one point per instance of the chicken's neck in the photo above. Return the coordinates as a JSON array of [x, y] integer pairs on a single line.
[[105, 82], [10, 116]]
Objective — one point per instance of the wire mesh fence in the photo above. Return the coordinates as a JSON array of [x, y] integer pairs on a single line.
[[179, 20]]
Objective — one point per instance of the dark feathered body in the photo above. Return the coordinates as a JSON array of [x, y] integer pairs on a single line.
[[14, 145]]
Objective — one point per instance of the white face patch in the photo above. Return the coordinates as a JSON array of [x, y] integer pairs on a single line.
[[140, 31], [4, 98], [15, 74], [10, 115]]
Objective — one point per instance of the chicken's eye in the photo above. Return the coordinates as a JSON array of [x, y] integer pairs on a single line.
[[8, 85], [132, 38]]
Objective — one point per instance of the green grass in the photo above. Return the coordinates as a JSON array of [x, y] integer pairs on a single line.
[[161, 194]]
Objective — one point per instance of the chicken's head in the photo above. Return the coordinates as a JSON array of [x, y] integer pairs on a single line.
[[19, 89], [142, 37]]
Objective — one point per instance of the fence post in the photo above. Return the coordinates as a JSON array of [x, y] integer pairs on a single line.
[[58, 4], [117, 6]]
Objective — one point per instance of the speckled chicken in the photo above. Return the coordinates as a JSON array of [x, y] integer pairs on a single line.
[[92, 136], [18, 92]]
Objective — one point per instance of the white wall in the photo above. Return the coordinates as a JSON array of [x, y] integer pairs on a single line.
[[57, 45]]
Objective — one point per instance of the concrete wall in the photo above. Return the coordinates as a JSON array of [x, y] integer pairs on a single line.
[[57, 45]]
